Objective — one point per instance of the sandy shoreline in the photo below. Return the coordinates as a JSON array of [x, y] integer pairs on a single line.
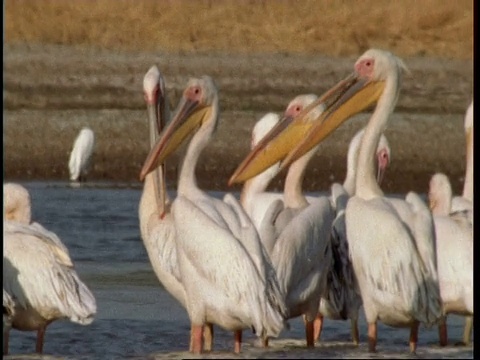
[[50, 92]]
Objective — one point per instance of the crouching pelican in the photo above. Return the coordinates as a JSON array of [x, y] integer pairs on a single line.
[[38, 272]]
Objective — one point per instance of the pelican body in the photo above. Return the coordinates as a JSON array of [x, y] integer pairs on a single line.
[[38, 273], [157, 227], [465, 202], [340, 296], [454, 236], [391, 241], [225, 270], [81, 155]]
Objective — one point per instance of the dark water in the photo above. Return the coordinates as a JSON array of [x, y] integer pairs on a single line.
[[138, 319]]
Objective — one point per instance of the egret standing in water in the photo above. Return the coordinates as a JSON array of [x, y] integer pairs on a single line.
[[81, 155]]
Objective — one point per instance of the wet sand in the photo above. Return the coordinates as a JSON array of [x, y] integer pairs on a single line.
[[51, 92]]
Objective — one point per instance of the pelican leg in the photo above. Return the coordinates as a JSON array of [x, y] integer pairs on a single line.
[[309, 333], [265, 341], [208, 337], [6, 336], [372, 337], [442, 332], [40, 337], [317, 327], [467, 331], [196, 339], [414, 336], [238, 341], [354, 330]]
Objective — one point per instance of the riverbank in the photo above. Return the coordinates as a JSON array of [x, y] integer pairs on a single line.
[[51, 91]]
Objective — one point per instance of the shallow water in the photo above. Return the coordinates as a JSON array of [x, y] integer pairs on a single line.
[[138, 319]]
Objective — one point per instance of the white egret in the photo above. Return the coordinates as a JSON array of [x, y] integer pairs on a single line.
[[81, 155]]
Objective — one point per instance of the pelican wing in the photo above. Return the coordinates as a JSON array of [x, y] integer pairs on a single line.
[[463, 217], [165, 250], [302, 252], [36, 274], [8, 304], [250, 239], [49, 239], [455, 263], [267, 230], [459, 203], [223, 260], [385, 258]]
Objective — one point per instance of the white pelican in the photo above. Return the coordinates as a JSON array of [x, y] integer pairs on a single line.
[[391, 241], [157, 227], [81, 155], [39, 274], [225, 270], [296, 233], [465, 202], [343, 299], [254, 197], [343, 296], [454, 235]]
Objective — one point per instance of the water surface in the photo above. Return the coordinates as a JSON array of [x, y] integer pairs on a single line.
[[138, 319]]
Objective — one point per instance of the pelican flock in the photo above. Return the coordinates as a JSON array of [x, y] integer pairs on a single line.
[[392, 242], [81, 155], [283, 226], [254, 263], [38, 273]]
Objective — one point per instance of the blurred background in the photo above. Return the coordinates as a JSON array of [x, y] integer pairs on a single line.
[[69, 64], [329, 27]]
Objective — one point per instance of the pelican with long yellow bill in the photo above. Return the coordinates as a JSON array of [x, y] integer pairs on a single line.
[[189, 117], [359, 94], [284, 136], [226, 274], [391, 240]]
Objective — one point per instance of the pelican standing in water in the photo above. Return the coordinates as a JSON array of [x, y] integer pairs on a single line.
[[81, 155], [391, 241], [454, 235], [296, 233], [226, 273], [465, 202], [343, 298], [254, 197], [38, 272], [157, 227]]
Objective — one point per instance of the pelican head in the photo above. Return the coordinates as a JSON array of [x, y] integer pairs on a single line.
[[155, 98], [374, 72], [194, 110], [267, 152], [440, 194], [383, 158]]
